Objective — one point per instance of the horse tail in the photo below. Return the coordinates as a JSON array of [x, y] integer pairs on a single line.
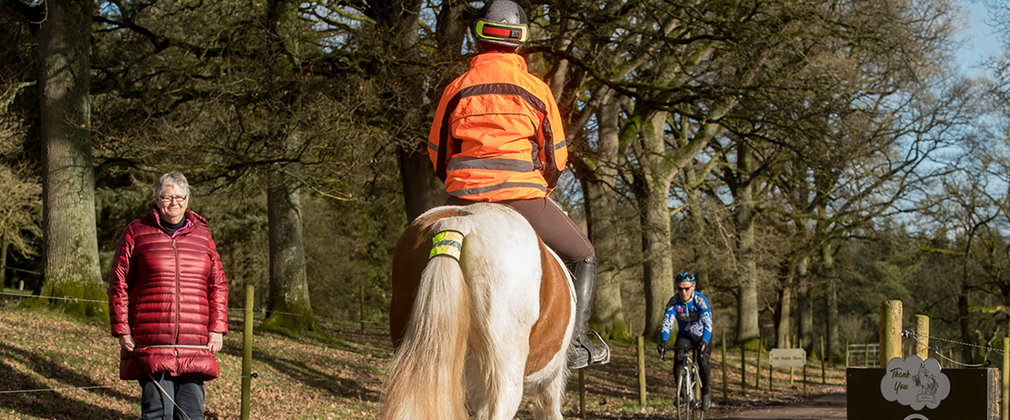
[[426, 373]]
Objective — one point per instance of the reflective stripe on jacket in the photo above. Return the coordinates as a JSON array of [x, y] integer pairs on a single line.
[[497, 133], [168, 293]]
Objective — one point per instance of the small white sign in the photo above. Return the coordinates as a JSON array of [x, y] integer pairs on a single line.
[[787, 357], [915, 382]]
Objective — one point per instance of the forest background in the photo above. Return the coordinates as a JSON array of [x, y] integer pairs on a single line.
[[806, 159]]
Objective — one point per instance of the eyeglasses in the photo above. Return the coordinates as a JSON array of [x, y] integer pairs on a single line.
[[171, 198], [683, 289]]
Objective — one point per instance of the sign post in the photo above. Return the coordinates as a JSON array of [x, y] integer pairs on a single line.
[[787, 357]]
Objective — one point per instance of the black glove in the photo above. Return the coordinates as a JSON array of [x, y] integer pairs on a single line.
[[662, 349], [700, 347]]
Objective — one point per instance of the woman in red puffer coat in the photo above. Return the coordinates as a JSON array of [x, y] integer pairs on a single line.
[[168, 302]]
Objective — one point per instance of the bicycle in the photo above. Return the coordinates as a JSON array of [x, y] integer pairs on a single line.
[[688, 398]]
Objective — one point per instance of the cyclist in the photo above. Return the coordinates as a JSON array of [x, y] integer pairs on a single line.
[[694, 318]]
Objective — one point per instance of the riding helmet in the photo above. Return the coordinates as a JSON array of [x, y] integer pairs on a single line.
[[501, 22]]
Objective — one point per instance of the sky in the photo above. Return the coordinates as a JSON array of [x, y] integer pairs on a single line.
[[980, 37]]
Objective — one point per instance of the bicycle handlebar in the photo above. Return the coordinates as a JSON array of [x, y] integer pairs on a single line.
[[676, 349]]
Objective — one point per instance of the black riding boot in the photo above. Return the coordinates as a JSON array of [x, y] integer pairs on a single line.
[[584, 352]]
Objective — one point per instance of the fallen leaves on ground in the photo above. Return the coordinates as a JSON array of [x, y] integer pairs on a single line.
[[56, 367]]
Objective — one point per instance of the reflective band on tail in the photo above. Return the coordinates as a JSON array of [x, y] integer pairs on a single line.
[[448, 243]]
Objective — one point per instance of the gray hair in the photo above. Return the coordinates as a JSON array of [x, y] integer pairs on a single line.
[[174, 178]]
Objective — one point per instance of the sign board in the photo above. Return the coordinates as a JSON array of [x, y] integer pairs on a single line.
[[787, 357], [913, 389], [915, 382]]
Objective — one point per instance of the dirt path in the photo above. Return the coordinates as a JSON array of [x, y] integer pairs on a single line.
[[824, 407]]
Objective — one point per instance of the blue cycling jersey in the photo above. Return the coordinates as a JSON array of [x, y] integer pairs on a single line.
[[694, 317]]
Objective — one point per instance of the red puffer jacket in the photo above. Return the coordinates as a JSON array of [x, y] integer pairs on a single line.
[[169, 293]]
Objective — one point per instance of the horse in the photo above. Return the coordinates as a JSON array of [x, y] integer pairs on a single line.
[[484, 313]]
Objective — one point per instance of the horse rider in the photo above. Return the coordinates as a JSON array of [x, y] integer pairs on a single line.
[[693, 315], [497, 137]]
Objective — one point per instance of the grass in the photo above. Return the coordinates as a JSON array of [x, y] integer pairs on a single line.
[[57, 367]]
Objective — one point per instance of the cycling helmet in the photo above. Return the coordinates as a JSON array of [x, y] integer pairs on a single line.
[[685, 276], [501, 22]]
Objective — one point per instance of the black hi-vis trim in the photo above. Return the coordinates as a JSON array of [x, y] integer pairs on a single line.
[[551, 171]]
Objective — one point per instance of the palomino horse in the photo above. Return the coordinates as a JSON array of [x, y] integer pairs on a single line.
[[474, 319]]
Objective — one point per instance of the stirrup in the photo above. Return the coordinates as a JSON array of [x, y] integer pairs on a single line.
[[580, 356], [601, 359]]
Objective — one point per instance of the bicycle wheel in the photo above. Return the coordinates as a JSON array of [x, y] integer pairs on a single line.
[[699, 414], [685, 397]]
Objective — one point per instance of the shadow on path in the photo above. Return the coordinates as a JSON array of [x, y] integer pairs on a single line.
[[823, 407]]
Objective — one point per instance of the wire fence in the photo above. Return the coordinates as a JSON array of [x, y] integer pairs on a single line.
[[935, 350], [258, 310], [255, 309], [866, 353]]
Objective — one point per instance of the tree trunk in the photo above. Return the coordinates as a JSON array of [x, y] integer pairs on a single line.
[[828, 259], [804, 304], [783, 312], [653, 197], [698, 224], [604, 230], [967, 352], [658, 266], [421, 188], [70, 244], [3, 261], [288, 302], [747, 303]]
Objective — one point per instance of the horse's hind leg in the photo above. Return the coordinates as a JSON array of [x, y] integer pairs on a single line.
[[477, 397], [495, 388], [549, 395], [505, 404]]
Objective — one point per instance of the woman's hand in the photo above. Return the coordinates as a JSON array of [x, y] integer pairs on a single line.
[[216, 342], [126, 342]]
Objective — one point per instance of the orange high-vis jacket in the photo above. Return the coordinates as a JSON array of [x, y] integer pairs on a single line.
[[497, 133]]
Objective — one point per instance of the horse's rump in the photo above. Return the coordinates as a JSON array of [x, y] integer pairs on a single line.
[[512, 324]]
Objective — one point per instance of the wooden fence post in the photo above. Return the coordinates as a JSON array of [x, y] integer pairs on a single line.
[[922, 336], [824, 375], [757, 376], [247, 335], [743, 367], [361, 294], [792, 370], [771, 374], [725, 375], [641, 371], [582, 393], [804, 368], [890, 331]]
